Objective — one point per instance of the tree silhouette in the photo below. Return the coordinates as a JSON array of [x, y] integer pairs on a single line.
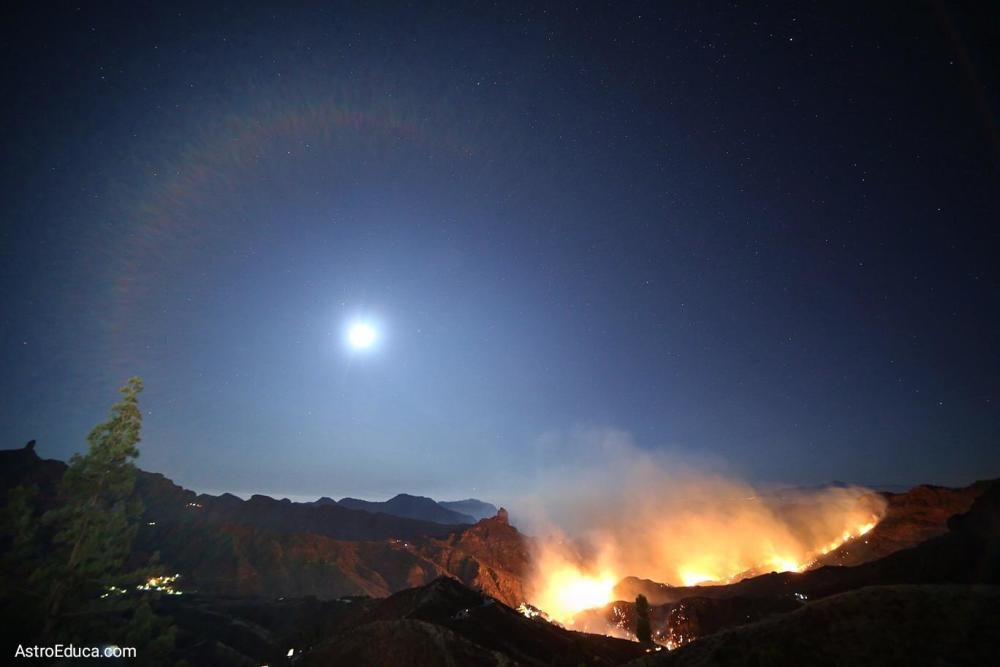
[[643, 632], [96, 519]]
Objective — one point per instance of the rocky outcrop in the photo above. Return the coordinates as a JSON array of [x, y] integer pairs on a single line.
[[491, 556]]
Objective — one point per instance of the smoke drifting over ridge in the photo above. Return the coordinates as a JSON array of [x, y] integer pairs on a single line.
[[617, 511]]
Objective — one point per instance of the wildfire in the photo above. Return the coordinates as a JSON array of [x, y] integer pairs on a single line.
[[691, 577], [848, 535], [568, 591], [708, 568], [782, 564], [695, 530]]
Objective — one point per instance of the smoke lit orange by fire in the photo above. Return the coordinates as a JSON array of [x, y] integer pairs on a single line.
[[636, 518]]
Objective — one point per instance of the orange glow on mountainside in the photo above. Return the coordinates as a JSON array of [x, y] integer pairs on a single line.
[[564, 586]]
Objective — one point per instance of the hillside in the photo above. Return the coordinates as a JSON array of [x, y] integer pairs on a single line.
[[881, 625], [955, 554], [910, 518], [968, 553]]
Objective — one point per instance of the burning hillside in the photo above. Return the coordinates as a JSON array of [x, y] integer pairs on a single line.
[[681, 527], [689, 549]]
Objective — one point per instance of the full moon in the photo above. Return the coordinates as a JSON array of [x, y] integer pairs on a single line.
[[361, 335]]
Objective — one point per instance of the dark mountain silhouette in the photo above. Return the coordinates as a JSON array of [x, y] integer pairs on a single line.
[[491, 624], [24, 466], [880, 625], [440, 623], [166, 502], [457, 512], [410, 507], [477, 509]]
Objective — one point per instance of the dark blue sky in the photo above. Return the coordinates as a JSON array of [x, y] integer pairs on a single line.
[[762, 238]]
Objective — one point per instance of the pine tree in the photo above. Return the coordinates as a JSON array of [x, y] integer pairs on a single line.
[[643, 632], [20, 551], [97, 516]]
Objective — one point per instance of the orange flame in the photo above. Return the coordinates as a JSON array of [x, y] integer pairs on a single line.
[[568, 589], [565, 589]]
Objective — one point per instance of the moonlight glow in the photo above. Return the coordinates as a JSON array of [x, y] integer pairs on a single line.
[[361, 335]]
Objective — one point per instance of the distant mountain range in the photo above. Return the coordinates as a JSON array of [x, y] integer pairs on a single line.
[[422, 508], [477, 509]]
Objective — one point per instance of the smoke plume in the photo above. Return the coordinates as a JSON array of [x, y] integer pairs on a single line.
[[615, 510]]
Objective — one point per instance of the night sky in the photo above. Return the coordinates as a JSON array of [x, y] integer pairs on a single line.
[[761, 239]]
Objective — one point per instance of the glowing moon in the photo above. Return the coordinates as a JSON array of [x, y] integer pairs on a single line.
[[361, 335]]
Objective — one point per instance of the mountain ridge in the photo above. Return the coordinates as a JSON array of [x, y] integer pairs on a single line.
[[411, 507]]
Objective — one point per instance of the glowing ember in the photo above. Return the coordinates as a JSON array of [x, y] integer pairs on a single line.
[[529, 611], [848, 535]]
